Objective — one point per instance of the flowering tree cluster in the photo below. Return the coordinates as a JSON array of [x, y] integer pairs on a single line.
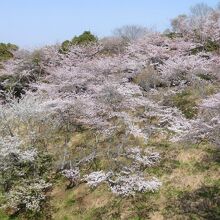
[[146, 159], [129, 185], [95, 178], [206, 127], [212, 103], [201, 27], [28, 196], [24, 188], [129, 180]]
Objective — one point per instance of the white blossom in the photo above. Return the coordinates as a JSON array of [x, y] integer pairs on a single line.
[[72, 175], [129, 185], [95, 178], [146, 157], [28, 195]]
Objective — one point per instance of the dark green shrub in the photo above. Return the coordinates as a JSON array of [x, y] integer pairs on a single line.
[[197, 50], [211, 46], [12, 83], [6, 51], [12, 47], [206, 77], [208, 46], [173, 35], [186, 103], [85, 38], [65, 46]]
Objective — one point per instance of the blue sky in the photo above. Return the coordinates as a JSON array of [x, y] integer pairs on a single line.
[[33, 23]]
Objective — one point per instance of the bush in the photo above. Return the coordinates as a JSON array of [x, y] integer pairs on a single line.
[[12, 84], [148, 79], [111, 97], [211, 46], [85, 38], [6, 51], [208, 46], [206, 77], [113, 45], [186, 103], [65, 46], [22, 175], [30, 68]]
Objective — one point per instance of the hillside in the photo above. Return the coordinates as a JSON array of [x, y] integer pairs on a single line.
[[114, 128]]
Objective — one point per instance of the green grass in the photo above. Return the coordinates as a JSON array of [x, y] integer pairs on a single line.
[[186, 102], [70, 202]]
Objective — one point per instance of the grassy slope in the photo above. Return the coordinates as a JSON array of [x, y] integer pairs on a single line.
[[191, 189]]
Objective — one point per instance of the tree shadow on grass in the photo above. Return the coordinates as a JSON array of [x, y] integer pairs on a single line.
[[203, 203]]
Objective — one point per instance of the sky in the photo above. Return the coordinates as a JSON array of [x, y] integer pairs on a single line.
[[34, 23]]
